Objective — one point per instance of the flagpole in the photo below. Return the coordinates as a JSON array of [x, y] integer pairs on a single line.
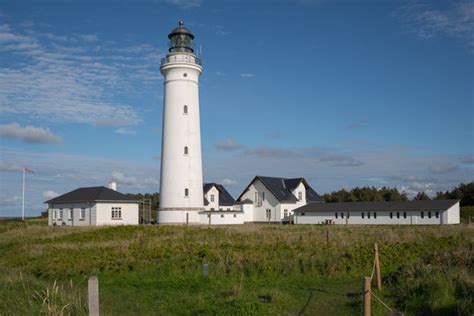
[[23, 200]]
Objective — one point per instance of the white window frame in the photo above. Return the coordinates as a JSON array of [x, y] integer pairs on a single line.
[[116, 213], [268, 214], [71, 214], [285, 213], [82, 214], [212, 197], [300, 196], [61, 213]]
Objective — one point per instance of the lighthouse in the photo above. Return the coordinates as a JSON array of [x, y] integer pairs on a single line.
[[181, 191]]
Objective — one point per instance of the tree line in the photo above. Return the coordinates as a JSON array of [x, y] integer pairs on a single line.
[[463, 192]]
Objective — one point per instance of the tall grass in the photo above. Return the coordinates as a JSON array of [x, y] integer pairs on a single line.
[[278, 259]]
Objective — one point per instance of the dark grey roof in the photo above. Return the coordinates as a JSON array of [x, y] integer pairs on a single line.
[[246, 201], [379, 206], [91, 194], [281, 188], [225, 198], [181, 30]]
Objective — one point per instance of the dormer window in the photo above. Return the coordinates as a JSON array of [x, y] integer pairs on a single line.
[[300, 196], [186, 192], [185, 109], [186, 150], [212, 197]]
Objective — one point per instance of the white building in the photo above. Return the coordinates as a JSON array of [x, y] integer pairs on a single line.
[[424, 212], [181, 196], [274, 199], [92, 206], [220, 207]]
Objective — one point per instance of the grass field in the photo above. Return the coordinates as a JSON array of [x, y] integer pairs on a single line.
[[253, 269]]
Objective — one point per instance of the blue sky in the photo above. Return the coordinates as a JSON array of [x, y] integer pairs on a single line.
[[343, 93]]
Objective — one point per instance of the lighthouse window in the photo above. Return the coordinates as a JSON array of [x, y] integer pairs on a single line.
[[185, 109], [185, 75], [186, 192], [185, 150]]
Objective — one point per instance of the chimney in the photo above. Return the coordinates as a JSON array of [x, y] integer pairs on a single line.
[[112, 185]]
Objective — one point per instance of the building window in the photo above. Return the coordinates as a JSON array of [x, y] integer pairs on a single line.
[[404, 214], [60, 213], [185, 75], [422, 214], [185, 109], [222, 215], [212, 197], [256, 198], [391, 214], [263, 196], [285, 213], [437, 214], [268, 213], [375, 214], [71, 214], [342, 215], [362, 214], [368, 214], [116, 213], [398, 214], [429, 214], [235, 215], [82, 215], [186, 150], [302, 214], [300, 196], [212, 209], [55, 214], [348, 215], [186, 192], [336, 215]]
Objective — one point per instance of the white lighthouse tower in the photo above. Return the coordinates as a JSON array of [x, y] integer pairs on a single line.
[[181, 191]]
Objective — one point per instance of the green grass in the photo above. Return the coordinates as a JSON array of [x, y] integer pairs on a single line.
[[254, 269]]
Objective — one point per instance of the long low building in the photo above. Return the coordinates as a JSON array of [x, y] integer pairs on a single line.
[[423, 212]]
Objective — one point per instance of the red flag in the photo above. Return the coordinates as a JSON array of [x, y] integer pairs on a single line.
[[28, 170]]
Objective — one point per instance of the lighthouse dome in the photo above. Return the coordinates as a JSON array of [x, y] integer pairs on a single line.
[[181, 30]]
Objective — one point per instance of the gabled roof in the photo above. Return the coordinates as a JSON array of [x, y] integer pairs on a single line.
[[282, 188], [225, 198], [421, 205], [91, 194]]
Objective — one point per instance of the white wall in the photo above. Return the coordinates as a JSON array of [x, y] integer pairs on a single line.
[[300, 188], [212, 205], [75, 220], [453, 214], [270, 202], [178, 170], [383, 217], [129, 214], [221, 218]]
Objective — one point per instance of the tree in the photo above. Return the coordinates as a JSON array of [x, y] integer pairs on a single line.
[[366, 194], [421, 196]]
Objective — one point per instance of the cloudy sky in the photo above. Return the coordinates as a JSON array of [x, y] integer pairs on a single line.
[[343, 93]]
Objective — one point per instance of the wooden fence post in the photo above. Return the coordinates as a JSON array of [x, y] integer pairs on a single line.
[[93, 292], [187, 219], [209, 219], [367, 306], [377, 267], [205, 271]]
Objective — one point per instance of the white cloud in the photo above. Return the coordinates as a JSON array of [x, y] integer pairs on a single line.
[[10, 166], [247, 75], [227, 144], [184, 4], [28, 134], [125, 131], [123, 179], [50, 194], [53, 79], [444, 168], [455, 20], [88, 37], [228, 181]]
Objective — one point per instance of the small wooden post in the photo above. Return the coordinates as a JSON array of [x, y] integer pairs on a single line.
[[205, 271], [209, 218], [93, 290], [187, 219], [327, 235], [367, 306], [377, 267]]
